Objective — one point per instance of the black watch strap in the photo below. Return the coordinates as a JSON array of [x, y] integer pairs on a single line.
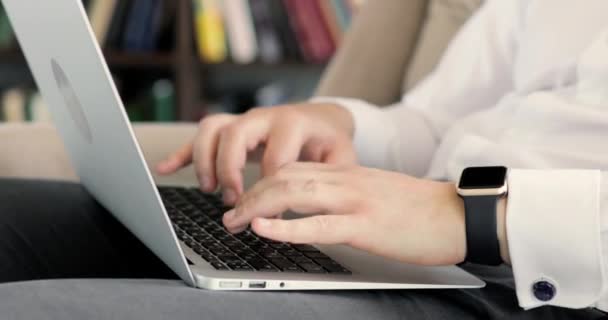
[[480, 221]]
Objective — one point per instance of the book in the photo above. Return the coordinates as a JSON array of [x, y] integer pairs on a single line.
[[13, 105], [312, 32], [154, 25], [101, 16], [331, 20], [138, 25], [270, 48], [6, 31], [287, 36], [163, 95], [38, 109], [209, 30], [240, 29], [114, 38]]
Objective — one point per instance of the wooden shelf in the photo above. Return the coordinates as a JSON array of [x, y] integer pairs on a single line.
[[114, 58], [144, 59]]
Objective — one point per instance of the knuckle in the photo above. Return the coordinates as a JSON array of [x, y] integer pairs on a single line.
[[231, 131], [310, 186]]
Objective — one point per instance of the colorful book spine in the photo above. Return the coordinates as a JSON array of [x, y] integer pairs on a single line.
[[38, 109], [241, 33], [115, 36], [138, 25], [14, 103], [209, 30], [285, 30], [163, 95], [269, 44], [101, 16], [312, 32]]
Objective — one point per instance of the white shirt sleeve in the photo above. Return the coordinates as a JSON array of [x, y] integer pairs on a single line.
[[558, 237], [557, 220], [475, 72]]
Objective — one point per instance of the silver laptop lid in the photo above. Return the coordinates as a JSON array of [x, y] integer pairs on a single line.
[[74, 80]]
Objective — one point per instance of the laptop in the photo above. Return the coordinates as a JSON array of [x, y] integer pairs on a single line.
[[182, 226]]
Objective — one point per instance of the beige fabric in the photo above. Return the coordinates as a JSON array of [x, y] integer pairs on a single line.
[[374, 53], [444, 19], [391, 46], [36, 151]]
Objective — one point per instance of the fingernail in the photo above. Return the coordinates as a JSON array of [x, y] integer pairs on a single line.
[[229, 196], [229, 215], [263, 223]]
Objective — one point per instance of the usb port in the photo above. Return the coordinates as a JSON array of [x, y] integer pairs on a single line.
[[257, 284]]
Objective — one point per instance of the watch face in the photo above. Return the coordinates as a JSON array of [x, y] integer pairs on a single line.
[[483, 178]]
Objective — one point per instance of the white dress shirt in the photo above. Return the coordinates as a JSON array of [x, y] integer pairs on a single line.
[[525, 85]]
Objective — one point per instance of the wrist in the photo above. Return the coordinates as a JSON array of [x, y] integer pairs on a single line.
[[455, 207]]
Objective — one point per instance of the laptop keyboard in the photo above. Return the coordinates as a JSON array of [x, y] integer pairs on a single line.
[[197, 220]]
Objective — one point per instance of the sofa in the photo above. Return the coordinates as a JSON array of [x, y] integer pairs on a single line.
[[391, 45]]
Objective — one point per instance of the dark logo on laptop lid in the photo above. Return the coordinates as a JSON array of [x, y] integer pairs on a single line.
[[72, 103]]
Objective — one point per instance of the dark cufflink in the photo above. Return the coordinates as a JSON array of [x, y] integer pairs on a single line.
[[543, 290]]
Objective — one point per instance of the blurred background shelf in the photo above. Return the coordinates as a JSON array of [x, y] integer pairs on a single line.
[[179, 60]]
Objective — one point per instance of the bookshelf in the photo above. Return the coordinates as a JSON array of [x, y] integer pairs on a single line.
[[195, 81]]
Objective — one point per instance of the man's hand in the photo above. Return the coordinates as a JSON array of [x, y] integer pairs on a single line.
[[386, 213], [311, 132]]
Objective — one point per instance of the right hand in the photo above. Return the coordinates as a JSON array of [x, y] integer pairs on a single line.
[[304, 132]]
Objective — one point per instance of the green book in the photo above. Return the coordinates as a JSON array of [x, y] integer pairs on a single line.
[[163, 95]]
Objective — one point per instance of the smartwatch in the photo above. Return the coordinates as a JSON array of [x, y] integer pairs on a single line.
[[481, 188]]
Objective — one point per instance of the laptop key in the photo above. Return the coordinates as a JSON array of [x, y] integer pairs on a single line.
[[299, 260], [332, 266], [305, 248], [312, 267], [261, 265], [316, 255], [283, 263], [219, 266], [291, 253], [240, 267]]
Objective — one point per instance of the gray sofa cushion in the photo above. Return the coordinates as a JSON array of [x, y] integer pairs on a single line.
[[171, 299]]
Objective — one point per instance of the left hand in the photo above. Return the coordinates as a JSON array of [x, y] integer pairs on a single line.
[[385, 213]]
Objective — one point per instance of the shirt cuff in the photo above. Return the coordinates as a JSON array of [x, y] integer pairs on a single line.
[[553, 230], [392, 138]]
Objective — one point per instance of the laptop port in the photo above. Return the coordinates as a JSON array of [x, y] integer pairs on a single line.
[[257, 284]]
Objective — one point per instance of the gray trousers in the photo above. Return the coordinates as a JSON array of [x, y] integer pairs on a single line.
[[62, 256]]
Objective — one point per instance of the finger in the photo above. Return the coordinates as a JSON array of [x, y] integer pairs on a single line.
[[306, 196], [234, 143], [328, 229], [205, 150], [296, 171], [341, 153], [176, 161], [283, 146]]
